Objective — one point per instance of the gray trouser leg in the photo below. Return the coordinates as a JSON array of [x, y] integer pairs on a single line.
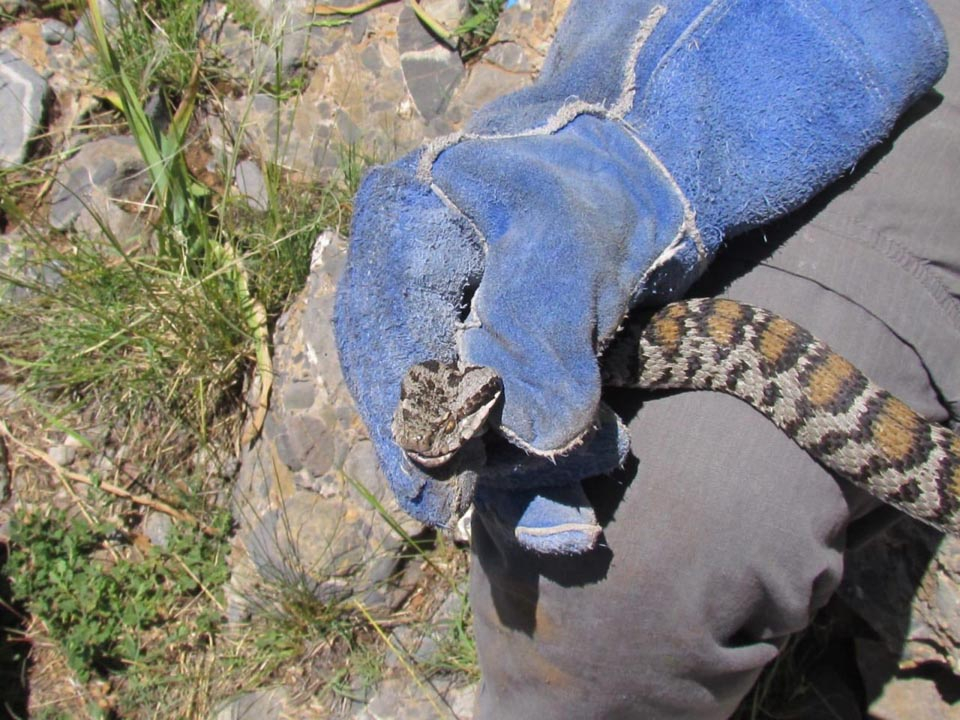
[[716, 554], [723, 537]]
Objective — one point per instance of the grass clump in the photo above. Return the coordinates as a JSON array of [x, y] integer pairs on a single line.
[[475, 30], [126, 333], [172, 325], [156, 340], [456, 650], [318, 647], [478, 26], [156, 41]]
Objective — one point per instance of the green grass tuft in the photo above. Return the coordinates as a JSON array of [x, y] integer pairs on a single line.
[[478, 27]]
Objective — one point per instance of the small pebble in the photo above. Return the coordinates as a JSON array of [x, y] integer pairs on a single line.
[[252, 185], [55, 32], [62, 455], [156, 526]]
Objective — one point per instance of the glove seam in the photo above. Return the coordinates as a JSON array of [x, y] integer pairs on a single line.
[[452, 206], [565, 114], [688, 229]]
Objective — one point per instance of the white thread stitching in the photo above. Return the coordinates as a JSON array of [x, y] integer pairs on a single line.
[[566, 114], [628, 90]]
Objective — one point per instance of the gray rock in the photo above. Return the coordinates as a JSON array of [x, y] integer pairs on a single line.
[[906, 586], [372, 59], [431, 70], [12, 6], [67, 68], [348, 129], [286, 42], [252, 185], [110, 11], [102, 185], [305, 444], [894, 693], [260, 705], [431, 77], [399, 699], [449, 13], [915, 698], [14, 263], [461, 700], [55, 32], [62, 455], [23, 95], [424, 643], [299, 395], [509, 56], [301, 497], [327, 547], [532, 24], [487, 82], [412, 36], [380, 82], [303, 522], [157, 526], [246, 57], [252, 122]]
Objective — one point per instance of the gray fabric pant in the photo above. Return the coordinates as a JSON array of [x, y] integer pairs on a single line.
[[723, 537]]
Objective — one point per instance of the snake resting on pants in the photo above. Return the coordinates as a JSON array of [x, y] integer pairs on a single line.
[[848, 424]]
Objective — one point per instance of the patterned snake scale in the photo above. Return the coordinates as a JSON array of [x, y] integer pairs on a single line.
[[827, 406]]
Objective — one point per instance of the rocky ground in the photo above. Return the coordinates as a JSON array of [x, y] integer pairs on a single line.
[[301, 494]]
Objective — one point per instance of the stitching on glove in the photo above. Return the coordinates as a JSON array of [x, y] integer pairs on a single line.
[[565, 114], [924, 16], [553, 454], [438, 191], [628, 90], [688, 229], [679, 43]]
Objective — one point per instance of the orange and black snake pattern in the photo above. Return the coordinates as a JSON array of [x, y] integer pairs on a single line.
[[827, 406]]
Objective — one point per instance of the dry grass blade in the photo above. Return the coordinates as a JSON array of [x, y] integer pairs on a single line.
[[144, 500], [449, 38], [443, 711], [358, 9]]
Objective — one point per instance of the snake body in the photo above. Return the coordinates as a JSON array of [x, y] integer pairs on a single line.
[[850, 425]]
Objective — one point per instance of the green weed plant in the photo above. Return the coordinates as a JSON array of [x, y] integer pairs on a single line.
[[477, 29], [99, 598]]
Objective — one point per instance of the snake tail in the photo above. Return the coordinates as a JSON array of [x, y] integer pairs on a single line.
[[850, 425]]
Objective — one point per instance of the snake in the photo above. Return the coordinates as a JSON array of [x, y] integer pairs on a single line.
[[850, 425]]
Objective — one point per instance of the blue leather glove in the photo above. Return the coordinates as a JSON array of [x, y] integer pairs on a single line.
[[655, 131]]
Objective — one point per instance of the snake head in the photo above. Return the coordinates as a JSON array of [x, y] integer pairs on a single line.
[[441, 407]]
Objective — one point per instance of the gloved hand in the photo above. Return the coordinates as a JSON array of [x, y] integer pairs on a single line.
[[655, 131]]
